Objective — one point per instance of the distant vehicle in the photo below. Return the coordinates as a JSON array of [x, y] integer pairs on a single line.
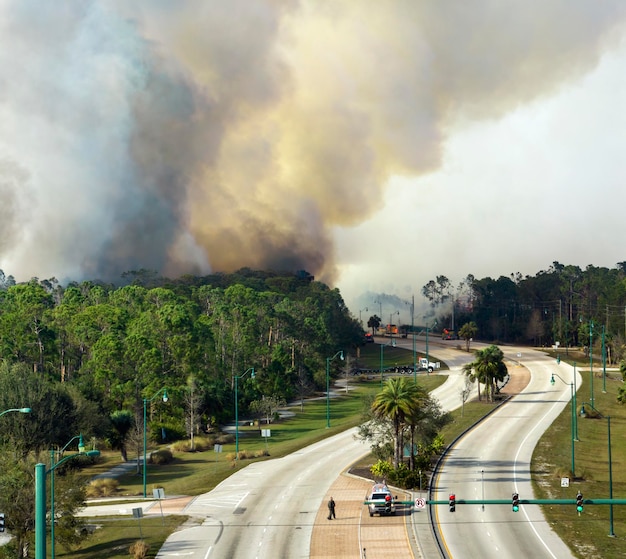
[[424, 364], [369, 339], [391, 330], [380, 500], [449, 335]]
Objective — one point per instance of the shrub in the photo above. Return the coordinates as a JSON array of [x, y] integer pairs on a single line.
[[225, 438], [200, 444], [139, 549], [103, 487], [163, 456]]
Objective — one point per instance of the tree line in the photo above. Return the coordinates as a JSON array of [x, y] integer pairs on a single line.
[[564, 304], [116, 346]]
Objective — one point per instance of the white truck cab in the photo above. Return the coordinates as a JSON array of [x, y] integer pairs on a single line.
[[424, 364], [380, 500]]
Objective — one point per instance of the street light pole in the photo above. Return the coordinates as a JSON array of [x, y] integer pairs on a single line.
[[608, 426], [603, 361], [572, 418], [40, 501], [328, 360], [21, 410], [360, 319], [250, 370], [591, 359], [81, 450], [146, 401], [413, 332]]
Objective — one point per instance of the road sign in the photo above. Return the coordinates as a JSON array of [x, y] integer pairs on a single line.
[[564, 482], [420, 503]]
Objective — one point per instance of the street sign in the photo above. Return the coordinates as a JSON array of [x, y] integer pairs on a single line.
[[420, 503], [158, 493], [564, 482], [266, 433]]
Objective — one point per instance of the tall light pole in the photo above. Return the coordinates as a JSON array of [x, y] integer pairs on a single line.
[[392, 343], [146, 401], [40, 501], [427, 330], [608, 426], [591, 359], [20, 410], [250, 370], [603, 361], [413, 332], [328, 360], [360, 319], [53, 453], [572, 418]]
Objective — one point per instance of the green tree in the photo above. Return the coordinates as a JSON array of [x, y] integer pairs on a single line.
[[373, 323], [488, 368], [468, 332], [398, 400], [267, 407], [122, 421], [55, 417]]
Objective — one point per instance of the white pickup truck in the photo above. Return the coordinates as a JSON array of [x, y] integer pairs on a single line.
[[424, 364], [380, 500]]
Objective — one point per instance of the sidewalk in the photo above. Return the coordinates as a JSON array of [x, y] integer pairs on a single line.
[[356, 535]]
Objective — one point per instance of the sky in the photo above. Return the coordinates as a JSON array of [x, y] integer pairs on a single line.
[[376, 145]]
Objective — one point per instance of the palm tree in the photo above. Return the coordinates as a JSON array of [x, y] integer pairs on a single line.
[[399, 399], [468, 332], [488, 368]]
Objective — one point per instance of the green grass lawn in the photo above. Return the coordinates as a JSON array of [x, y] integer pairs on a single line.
[[393, 356], [587, 533], [195, 473], [198, 472]]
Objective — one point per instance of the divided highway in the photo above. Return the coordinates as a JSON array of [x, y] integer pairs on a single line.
[[267, 509], [493, 462]]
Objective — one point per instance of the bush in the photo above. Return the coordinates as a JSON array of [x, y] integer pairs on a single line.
[[139, 549], [200, 444], [225, 438], [163, 456], [172, 432], [104, 487]]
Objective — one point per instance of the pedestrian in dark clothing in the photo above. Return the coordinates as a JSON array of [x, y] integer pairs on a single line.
[[331, 509]]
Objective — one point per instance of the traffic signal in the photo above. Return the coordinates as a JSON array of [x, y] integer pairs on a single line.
[[579, 502], [452, 502], [2, 523], [515, 502]]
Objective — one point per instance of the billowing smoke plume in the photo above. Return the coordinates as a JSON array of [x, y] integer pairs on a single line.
[[201, 135]]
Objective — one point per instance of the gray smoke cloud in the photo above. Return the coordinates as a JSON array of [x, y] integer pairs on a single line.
[[199, 135]]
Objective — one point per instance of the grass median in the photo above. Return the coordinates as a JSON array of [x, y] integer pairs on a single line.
[[194, 473], [586, 534]]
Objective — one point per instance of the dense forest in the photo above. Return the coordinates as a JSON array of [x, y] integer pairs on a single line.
[[563, 304], [116, 346], [113, 347]]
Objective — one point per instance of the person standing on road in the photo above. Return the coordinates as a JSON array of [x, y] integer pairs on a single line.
[[331, 509]]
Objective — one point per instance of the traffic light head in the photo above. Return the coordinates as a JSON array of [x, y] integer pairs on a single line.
[[579, 502], [2, 522], [452, 502], [515, 502]]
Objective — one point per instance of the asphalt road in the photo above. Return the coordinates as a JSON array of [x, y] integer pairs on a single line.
[[268, 509], [493, 462]]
